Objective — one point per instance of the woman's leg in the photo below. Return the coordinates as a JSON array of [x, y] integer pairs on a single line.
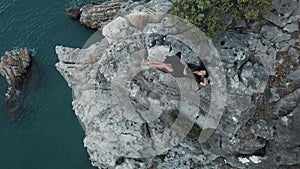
[[154, 63], [161, 65]]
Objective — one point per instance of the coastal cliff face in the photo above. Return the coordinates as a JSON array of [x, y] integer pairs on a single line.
[[135, 116]]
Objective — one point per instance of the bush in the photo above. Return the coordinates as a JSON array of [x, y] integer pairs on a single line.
[[205, 14]]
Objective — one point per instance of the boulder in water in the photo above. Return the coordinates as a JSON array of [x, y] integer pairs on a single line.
[[73, 13], [14, 65]]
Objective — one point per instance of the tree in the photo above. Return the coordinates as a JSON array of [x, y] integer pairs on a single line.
[[205, 14]]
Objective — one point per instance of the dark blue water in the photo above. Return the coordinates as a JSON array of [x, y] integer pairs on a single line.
[[47, 135]]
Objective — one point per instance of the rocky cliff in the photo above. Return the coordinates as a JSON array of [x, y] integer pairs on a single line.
[[14, 66], [135, 116]]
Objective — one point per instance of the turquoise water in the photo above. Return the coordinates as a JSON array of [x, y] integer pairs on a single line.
[[47, 135]]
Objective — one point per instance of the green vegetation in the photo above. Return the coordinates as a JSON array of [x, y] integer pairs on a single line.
[[206, 14]]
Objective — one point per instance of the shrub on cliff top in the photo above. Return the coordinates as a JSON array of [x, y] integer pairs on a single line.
[[206, 13]]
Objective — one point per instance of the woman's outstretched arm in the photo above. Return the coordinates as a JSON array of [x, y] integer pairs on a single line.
[[161, 65]]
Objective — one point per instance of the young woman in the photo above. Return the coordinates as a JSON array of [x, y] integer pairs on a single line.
[[174, 66]]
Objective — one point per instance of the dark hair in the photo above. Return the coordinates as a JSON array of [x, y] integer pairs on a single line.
[[178, 54]]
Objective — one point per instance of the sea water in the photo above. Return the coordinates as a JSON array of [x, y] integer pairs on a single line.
[[46, 133]]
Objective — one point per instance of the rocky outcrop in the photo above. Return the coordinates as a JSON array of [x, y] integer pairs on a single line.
[[295, 75], [73, 13], [138, 117], [96, 15], [136, 124], [285, 14], [14, 65]]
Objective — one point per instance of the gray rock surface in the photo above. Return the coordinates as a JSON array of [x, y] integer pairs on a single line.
[[14, 65], [287, 129], [293, 27], [96, 15], [277, 37], [123, 104], [275, 97], [294, 54], [73, 13], [99, 74], [295, 75], [284, 12]]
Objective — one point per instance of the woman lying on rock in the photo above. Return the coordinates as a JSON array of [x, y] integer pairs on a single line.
[[173, 65]]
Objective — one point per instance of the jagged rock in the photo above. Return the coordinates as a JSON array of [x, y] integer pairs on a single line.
[[151, 7], [294, 54], [188, 159], [295, 75], [112, 74], [274, 34], [104, 77], [291, 27], [286, 129], [284, 12], [287, 104], [14, 65], [234, 51], [266, 48], [260, 129], [275, 97], [233, 48], [254, 77], [96, 15], [73, 13], [282, 147], [265, 53]]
